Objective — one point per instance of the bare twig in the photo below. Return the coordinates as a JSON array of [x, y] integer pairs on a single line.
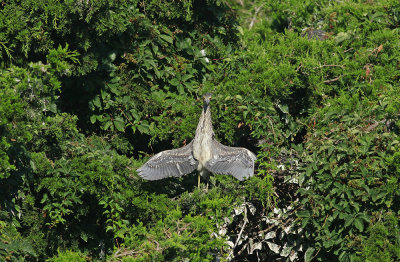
[[315, 254], [272, 125], [253, 20], [241, 250], [167, 233], [283, 224], [272, 226], [158, 245], [143, 4], [300, 66], [276, 194], [332, 80], [240, 233], [348, 50], [125, 253], [321, 66], [378, 50], [228, 4], [373, 126], [325, 220]]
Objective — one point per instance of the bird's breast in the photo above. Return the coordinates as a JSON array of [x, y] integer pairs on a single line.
[[202, 149]]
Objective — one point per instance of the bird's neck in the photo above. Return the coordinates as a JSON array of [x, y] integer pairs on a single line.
[[205, 124]]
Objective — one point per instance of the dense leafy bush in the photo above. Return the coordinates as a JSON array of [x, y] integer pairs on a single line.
[[349, 175], [68, 192], [339, 91]]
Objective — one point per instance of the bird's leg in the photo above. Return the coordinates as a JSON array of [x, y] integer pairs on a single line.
[[198, 180]]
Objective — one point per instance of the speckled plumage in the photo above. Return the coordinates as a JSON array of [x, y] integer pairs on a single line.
[[204, 153]]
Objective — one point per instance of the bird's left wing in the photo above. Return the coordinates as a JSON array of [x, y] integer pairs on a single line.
[[175, 162], [234, 161]]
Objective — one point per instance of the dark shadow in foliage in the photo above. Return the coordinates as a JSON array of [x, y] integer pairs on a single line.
[[16, 244], [91, 226], [244, 139], [141, 142], [84, 231], [280, 24], [172, 186], [9, 187], [78, 91]]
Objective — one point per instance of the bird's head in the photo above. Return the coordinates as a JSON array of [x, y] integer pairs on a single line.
[[207, 98]]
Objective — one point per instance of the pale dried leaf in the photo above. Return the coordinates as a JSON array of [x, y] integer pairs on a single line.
[[270, 235], [273, 247]]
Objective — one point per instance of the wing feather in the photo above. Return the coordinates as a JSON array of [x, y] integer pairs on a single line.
[[234, 161], [175, 162]]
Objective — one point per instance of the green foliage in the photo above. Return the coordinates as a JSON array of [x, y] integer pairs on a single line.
[[261, 189], [134, 53], [347, 177], [185, 232], [26, 93], [13, 247], [89, 88], [336, 95], [68, 255], [127, 68], [383, 242]]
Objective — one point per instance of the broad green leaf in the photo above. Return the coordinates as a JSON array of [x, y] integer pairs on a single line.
[[359, 224], [303, 213], [84, 236], [143, 128], [107, 125], [93, 119], [174, 82], [180, 89], [309, 254], [166, 38], [96, 101], [348, 221], [185, 77], [119, 125]]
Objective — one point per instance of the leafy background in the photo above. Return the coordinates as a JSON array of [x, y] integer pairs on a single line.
[[89, 90]]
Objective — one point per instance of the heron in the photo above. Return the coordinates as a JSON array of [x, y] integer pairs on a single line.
[[203, 153]]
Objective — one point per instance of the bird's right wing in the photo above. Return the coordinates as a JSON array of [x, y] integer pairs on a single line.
[[175, 162], [234, 161]]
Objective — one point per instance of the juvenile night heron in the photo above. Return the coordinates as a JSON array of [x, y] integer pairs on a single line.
[[203, 153]]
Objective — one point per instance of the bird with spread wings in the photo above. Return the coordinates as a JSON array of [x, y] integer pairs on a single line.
[[203, 153]]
